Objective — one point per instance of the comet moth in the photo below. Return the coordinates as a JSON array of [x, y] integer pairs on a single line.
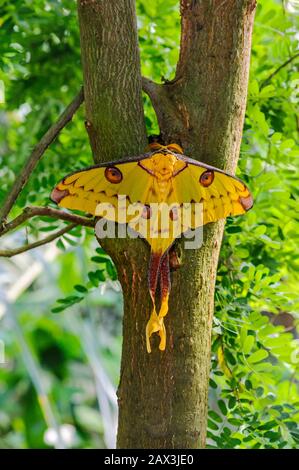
[[152, 193]]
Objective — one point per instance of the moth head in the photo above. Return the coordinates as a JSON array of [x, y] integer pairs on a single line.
[[158, 147], [175, 148], [160, 164], [163, 165]]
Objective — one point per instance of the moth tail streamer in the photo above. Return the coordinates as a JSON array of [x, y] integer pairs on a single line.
[[165, 286], [159, 266]]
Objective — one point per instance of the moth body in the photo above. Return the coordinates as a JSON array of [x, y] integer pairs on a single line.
[[163, 177]]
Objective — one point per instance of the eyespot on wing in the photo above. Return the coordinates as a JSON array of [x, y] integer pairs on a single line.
[[206, 178], [113, 174]]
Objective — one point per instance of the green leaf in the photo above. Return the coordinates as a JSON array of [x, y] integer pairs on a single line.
[[68, 300], [248, 344], [270, 425], [232, 402], [92, 276], [100, 275], [287, 144], [57, 309], [213, 384], [259, 392], [215, 416], [100, 259], [222, 406], [50, 228], [234, 442], [258, 356], [248, 384], [60, 244], [80, 288], [100, 251], [111, 270], [234, 229], [212, 425]]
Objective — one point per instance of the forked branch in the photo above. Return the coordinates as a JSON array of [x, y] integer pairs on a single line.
[[30, 212]]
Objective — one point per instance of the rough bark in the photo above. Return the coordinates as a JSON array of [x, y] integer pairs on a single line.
[[112, 80], [163, 396]]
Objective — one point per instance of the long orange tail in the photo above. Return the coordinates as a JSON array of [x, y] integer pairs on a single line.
[[159, 266]]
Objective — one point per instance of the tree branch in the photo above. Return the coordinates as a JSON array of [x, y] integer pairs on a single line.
[[50, 238], [154, 90], [163, 105], [287, 62], [38, 152], [150, 88], [30, 212]]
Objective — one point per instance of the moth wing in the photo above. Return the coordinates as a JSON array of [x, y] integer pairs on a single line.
[[208, 201], [95, 191]]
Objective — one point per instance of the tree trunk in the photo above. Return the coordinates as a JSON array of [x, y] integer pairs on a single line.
[[112, 80], [163, 395]]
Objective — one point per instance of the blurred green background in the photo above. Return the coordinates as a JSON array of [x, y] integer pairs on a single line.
[[61, 305]]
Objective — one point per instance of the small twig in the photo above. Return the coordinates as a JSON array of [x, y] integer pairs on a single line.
[[38, 152], [44, 241], [33, 211], [287, 62]]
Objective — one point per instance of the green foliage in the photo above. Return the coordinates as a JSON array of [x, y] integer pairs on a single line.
[[255, 350], [53, 359], [105, 272]]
